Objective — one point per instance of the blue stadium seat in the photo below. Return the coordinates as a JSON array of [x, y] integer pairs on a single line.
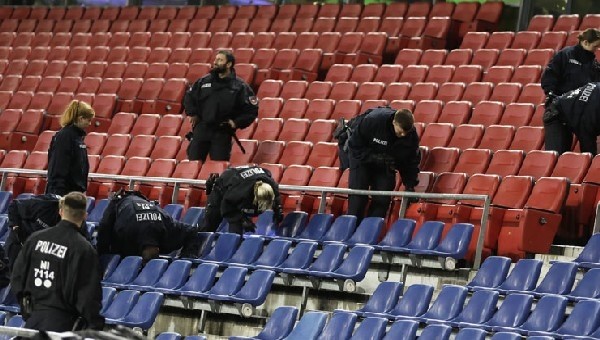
[[447, 305], [5, 199], [436, 332], [399, 234], [383, 299], [329, 259], [4, 228], [254, 291], [206, 240], [8, 300], [148, 276], [223, 249], [492, 273], [506, 336], [121, 304], [455, 244], [316, 227], [292, 225], [583, 320], [2, 318], [413, 303], [96, 215], [300, 258], [309, 326], [168, 336], [479, 309], [108, 293], [273, 255], [195, 337], [15, 321], [354, 266], [174, 209], [588, 287], [559, 279], [367, 231], [341, 229], [340, 326], [402, 329], [201, 280], [427, 237], [547, 316], [523, 276], [25, 196], [590, 255], [125, 272], [512, 313], [278, 326], [264, 223], [144, 312], [193, 215], [173, 278], [90, 203], [471, 334], [249, 251], [370, 329], [229, 283]]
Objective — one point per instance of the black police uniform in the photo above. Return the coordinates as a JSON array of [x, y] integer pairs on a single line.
[[232, 198], [375, 152], [68, 164], [30, 215], [577, 112], [215, 100], [570, 68], [59, 270], [132, 222]]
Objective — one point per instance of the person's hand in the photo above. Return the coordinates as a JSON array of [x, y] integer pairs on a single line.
[[549, 99], [232, 124], [194, 120], [277, 215]]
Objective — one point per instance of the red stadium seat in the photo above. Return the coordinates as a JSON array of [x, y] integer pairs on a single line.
[[466, 136], [295, 153], [538, 163], [319, 109], [528, 138], [497, 137], [505, 162], [323, 154]]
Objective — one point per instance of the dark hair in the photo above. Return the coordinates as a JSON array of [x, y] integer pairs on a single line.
[[405, 119], [590, 35], [74, 204], [229, 56]]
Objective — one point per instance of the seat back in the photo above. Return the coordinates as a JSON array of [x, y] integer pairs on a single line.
[[384, 297], [301, 256], [448, 303], [492, 272], [367, 231], [549, 194], [248, 251], [175, 275], [414, 302], [257, 287], [513, 311], [280, 324], [402, 329], [548, 314], [108, 293], [151, 272], [523, 276], [275, 253], [230, 281], [591, 251], [317, 226], [588, 286], [224, 248], [436, 332], [201, 279], [456, 242], [356, 263], [559, 279], [471, 334], [428, 236], [330, 258], [145, 311], [340, 326], [126, 271], [341, 229], [310, 326], [122, 303], [292, 225], [584, 318], [480, 307], [370, 328], [399, 233]]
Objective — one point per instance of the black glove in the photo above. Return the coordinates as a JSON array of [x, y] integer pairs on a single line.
[[551, 114], [210, 182], [549, 99], [248, 225], [277, 215]]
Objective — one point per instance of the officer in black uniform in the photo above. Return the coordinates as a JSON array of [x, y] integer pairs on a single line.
[[68, 164], [383, 141], [134, 225], [570, 68], [577, 112], [28, 216], [218, 104], [239, 193], [57, 276]]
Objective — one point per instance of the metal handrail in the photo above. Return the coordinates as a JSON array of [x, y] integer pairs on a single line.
[[131, 180]]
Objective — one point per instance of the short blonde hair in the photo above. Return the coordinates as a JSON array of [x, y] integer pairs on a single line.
[[263, 195], [74, 110]]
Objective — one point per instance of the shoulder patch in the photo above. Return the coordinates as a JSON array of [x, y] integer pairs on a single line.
[[206, 85], [253, 100]]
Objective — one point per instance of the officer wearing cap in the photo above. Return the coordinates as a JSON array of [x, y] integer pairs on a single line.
[[134, 225], [240, 193], [56, 276], [218, 104], [383, 141]]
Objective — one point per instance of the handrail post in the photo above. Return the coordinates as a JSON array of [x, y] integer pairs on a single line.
[[175, 192], [482, 231], [323, 203]]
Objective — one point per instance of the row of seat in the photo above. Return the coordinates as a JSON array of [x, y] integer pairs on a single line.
[[130, 308], [590, 255], [516, 313], [528, 40], [525, 275]]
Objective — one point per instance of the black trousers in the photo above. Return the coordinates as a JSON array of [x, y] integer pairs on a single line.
[[373, 177], [206, 141], [213, 216], [52, 320], [559, 137]]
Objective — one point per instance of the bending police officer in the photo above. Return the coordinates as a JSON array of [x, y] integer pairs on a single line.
[[57, 275], [239, 193], [134, 225], [218, 104], [575, 112], [383, 140]]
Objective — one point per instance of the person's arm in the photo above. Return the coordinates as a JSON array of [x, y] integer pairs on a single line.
[[246, 109], [18, 279], [83, 286], [409, 168], [105, 228], [61, 157], [358, 143], [552, 75]]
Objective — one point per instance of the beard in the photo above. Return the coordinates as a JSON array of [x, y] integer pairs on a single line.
[[219, 69]]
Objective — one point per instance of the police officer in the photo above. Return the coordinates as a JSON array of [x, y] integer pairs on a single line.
[[26, 216], [239, 193], [68, 165], [57, 275], [383, 141], [569, 69], [577, 112], [218, 104], [133, 225]]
